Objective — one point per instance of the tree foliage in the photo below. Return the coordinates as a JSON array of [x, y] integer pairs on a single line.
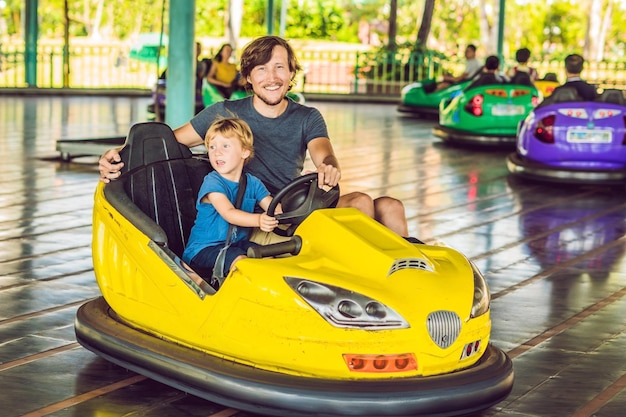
[[550, 29]]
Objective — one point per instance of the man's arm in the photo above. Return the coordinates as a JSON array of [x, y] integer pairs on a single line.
[[323, 157], [188, 136]]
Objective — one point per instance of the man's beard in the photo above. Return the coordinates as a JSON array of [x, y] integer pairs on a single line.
[[271, 103], [267, 101]]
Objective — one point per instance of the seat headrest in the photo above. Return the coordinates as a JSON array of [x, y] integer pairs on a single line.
[[564, 94], [613, 96], [151, 142]]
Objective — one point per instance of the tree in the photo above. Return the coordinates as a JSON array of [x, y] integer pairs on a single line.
[[393, 27], [598, 23], [424, 30]]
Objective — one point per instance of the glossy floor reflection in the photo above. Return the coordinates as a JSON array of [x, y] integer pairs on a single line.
[[553, 256]]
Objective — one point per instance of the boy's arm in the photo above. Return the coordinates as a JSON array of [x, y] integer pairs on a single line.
[[265, 203], [231, 214], [239, 217]]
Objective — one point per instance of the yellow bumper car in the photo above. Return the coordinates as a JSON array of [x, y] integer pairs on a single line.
[[345, 318]]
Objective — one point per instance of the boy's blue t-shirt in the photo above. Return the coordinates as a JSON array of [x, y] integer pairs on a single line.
[[210, 228]]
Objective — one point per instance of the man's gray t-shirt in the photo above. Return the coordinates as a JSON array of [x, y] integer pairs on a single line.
[[280, 143]]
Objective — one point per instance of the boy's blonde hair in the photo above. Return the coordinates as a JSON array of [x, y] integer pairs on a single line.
[[231, 127]]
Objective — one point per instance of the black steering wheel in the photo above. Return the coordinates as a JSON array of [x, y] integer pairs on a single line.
[[298, 199]]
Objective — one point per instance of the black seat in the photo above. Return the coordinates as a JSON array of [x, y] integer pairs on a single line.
[[487, 78], [550, 76], [158, 190], [151, 142], [613, 96], [561, 94], [522, 78]]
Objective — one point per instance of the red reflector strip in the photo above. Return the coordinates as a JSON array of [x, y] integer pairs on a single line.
[[496, 92], [404, 362], [470, 349], [519, 93], [605, 113]]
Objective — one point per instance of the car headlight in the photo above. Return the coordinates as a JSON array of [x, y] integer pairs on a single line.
[[482, 298], [346, 309]]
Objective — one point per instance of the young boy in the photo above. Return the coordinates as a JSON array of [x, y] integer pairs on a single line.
[[490, 75], [229, 144]]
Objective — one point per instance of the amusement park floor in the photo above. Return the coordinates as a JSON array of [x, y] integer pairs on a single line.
[[554, 258]]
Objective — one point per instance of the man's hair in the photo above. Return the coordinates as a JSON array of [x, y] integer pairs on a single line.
[[522, 55], [472, 47], [574, 63], [492, 62], [259, 52], [231, 127]]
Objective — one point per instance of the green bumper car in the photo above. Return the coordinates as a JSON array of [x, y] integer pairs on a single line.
[[423, 98], [486, 114]]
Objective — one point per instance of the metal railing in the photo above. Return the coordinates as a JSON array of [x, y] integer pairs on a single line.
[[326, 72]]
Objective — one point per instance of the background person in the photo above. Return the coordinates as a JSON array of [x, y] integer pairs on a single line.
[[522, 56], [472, 67], [223, 74], [490, 74], [573, 67]]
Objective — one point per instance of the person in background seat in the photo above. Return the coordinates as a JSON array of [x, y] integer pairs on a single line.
[[490, 75], [573, 67], [223, 74], [472, 68], [522, 56]]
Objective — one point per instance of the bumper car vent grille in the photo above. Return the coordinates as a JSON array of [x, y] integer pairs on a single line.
[[409, 263], [443, 327]]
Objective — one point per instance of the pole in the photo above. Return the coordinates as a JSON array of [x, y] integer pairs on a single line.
[[31, 36], [501, 16]]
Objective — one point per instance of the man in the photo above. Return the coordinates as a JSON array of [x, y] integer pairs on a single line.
[[472, 68], [283, 132], [573, 67]]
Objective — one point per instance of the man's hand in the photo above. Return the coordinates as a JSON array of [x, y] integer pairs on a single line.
[[327, 175], [110, 165]]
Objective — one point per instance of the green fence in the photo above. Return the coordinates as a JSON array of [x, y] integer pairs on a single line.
[[89, 67], [325, 71]]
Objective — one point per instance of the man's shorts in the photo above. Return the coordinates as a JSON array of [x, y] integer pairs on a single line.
[[266, 238]]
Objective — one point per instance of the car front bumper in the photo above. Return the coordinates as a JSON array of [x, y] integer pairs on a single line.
[[486, 383]]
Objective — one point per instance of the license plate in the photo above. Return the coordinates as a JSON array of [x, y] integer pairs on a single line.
[[507, 110], [589, 136]]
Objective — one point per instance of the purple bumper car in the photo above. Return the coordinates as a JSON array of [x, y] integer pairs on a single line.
[[568, 140]]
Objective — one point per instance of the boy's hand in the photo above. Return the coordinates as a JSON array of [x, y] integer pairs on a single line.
[[267, 223]]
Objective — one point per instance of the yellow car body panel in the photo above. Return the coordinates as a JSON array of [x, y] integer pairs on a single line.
[[257, 319], [546, 87]]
